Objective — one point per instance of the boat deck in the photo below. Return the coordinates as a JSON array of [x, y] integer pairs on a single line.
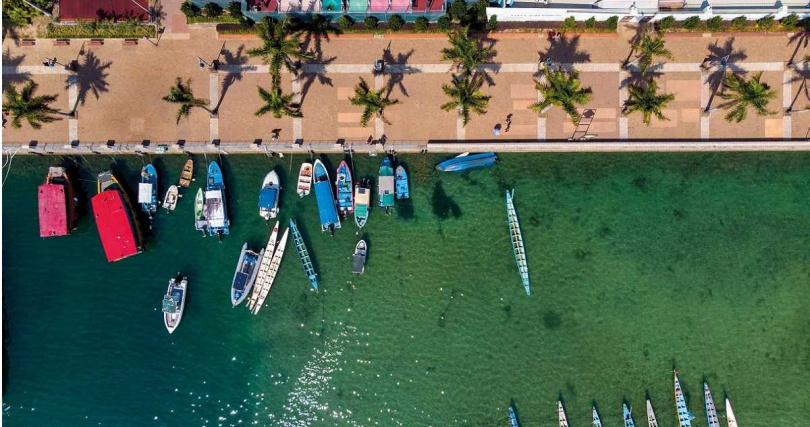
[[52, 211]]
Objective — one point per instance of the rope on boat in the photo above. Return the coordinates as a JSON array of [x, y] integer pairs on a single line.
[[7, 164]]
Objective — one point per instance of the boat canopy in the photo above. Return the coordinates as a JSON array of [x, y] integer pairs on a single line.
[[268, 198], [358, 262], [145, 192], [361, 210], [52, 210], [326, 204], [386, 191], [214, 211]]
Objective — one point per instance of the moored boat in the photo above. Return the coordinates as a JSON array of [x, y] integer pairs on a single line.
[[303, 256], [627, 416], [467, 161], [684, 416], [732, 420], [170, 200], [304, 179], [117, 227], [187, 175], [561, 415], [401, 178], [56, 204], [343, 185], [215, 205], [245, 274], [269, 196], [264, 267], [362, 203], [275, 264], [326, 200], [359, 258], [200, 224], [385, 185], [711, 410], [516, 237], [174, 302], [597, 422], [513, 421], [651, 421], [147, 190]]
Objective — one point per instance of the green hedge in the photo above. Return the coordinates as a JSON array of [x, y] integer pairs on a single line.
[[223, 19], [97, 29]]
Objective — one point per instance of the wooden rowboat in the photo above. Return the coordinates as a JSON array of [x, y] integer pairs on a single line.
[[188, 173]]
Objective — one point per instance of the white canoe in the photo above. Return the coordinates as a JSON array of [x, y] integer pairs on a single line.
[[732, 420], [305, 179], [263, 268], [651, 421], [561, 415], [275, 263]]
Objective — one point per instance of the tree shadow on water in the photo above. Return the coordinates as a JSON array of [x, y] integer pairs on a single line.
[[443, 206]]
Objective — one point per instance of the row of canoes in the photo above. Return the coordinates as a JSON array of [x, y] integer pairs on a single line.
[[684, 416]]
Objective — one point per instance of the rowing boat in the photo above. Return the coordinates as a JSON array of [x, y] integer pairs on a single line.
[[264, 268], [732, 420], [561, 415], [711, 411], [628, 416], [187, 174], [304, 179], [513, 421], [275, 263], [597, 422], [303, 256], [684, 416], [651, 421], [516, 238]]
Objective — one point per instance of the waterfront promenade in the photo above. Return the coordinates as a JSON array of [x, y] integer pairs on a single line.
[[117, 93]]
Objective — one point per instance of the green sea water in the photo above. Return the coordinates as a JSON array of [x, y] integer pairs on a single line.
[[639, 263]]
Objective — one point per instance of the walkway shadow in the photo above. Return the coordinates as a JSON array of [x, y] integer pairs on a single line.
[[230, 58], [14, 61], [398, 68], [716, 54], [90, 77], [565, 50]]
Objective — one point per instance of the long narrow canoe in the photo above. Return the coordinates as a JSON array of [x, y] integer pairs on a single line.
[[651, 421], [597, 422], [684, 416], [628, 416], [561, 415], [264, 268], [711, 411], [513, 421], [732, 420], [517, 241], [275, 263], [303, 255]]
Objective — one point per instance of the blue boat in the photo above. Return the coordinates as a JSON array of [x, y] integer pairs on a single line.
[[684, 416], [303, 255], [628, 417], [467, 161], [215, 210], [326, 200], [516, 237], [245, 274], [513, 421], [401, 178], [343, 185], [147, 190], [385, 185]]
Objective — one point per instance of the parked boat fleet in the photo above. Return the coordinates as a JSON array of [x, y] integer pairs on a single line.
[[684, 416]]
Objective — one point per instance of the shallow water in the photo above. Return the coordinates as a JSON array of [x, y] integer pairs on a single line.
[[638, 263]]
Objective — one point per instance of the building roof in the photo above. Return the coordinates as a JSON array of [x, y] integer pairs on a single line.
[[91, 10], [52, 211]]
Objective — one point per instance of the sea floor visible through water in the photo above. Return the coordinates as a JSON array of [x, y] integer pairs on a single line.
[[640, 263]]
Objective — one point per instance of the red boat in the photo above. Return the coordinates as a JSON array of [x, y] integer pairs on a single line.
[[57, 207], [117, 226]]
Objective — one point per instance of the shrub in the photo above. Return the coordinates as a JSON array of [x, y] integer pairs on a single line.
[[395, 22], [714, 24], [738, 22], [790, 21], [612, 22], [691, 23], [190, 9], [492, 24], [212, 10], [246, 22], [443, 23], [590, 22], [458, 10], [481, 11], [666, 23], [421, 24], [345, 22], [235, 9], [370, 22], [766, 23], [570, 23]]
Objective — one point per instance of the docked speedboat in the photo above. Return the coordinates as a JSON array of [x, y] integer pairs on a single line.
[[174, 302], [170, 201], [304, 179], [359, 258], [245, 274], [269, 195]]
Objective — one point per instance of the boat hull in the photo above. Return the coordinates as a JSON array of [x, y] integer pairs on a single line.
[[245, 274], [359, 257], [303, 255], [147, 190], [468, 162], [362, 204], [343, 187], [327, 209], [216, 205], [187, 174], [275, 264], [304, 179], [269, 196], [385, 185], [170, 200], [402, 183], [178, 290]]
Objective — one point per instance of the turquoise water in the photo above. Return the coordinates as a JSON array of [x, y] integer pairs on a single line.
[[638, 263]]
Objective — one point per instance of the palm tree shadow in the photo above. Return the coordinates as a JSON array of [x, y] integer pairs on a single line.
[[319, 74], [231, 78], [802, 76], [399, 69], [802, 39], [90, 77], [566, 49], [14, 61], [717, 53], [636, 39], [639, 79]]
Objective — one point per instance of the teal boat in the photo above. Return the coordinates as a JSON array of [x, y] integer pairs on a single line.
[[513, 421], [402, 183], [517, 241], [385, 186], [628, 417], [215, 209], [326, 200], [467, 161], [303, 255], [684, 416], [362, 203], [147, 190]]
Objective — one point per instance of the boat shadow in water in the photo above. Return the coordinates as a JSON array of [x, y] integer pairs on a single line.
[[405, 209], [128, 180], [227, 179], [443, 205]]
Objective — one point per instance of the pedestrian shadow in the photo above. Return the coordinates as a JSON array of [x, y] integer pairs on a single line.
[[231, 58], [14, 61], [90, 78], [565, 50], [398, 67]]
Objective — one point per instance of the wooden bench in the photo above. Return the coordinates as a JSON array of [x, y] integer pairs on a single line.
[[61, 42], [130, 42], [28, 42], [95, 42]]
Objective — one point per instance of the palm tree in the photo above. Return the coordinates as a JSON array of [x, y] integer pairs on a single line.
[[466, 53], [648, 101], [277, 103], [740, 93], [562, 90], [181, 94], [373, 102], [465, 95], [24, 105], [649, 48], [281, 47]]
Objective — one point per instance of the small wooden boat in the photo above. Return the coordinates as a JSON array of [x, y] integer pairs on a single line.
[[561, 415], [401, 178], [359, 258], [385, 185], [170, 201], [56, 204], [245, 274], [269, 195], [200, 224], [732, 420], [651, 421], [597, 422], [147, 190], [711, 410], [627, 416], [343, 185], [188, 173], [362, 203], [174, 302], [513, 421], [275, 264], [303, 256], [305, 179], [264, 268], [516, 238], [684, 416]]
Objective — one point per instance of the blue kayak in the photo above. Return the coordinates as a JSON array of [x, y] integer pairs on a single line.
[[467, 161], [402, 183]]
